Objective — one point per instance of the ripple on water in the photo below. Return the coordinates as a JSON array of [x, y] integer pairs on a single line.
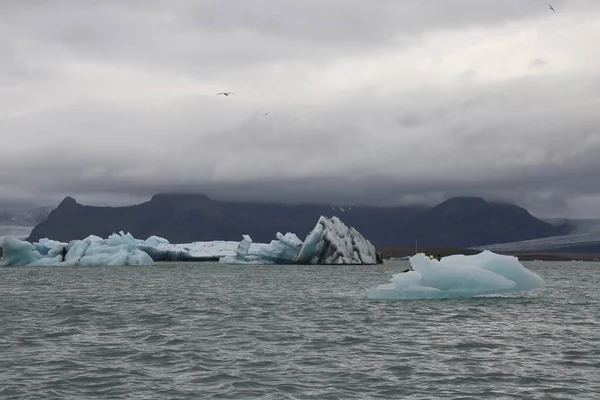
[[211, 331]]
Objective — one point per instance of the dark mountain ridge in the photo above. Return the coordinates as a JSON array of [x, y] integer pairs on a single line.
[[181, 218]]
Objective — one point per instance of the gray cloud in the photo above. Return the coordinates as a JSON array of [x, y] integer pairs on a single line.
[[385, 102], [538, 63]]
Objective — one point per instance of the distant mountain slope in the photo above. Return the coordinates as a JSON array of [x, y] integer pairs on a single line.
[[583, 237], [463, 221], [20, 215], [18, 232]]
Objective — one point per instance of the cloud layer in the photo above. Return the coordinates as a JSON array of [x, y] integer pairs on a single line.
[[380, 102]]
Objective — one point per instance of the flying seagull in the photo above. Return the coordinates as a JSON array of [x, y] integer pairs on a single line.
[[224, 93], [552, 8], [267, 113]]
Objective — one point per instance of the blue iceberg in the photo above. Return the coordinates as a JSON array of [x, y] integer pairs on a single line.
[[116, 250], [458, 276]]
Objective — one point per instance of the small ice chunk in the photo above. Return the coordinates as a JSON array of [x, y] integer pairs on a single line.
[[138, 257], [242, 250], [47, 262], [241, 253], [76, 252], [155, 241], [284, 250], [93, 238]]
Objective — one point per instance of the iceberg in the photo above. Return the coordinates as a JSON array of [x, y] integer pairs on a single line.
[[284, 250], [196, 251], [241, 255], [116, 250], [458, 276], [155, 241], [18, 252], [330, 242]]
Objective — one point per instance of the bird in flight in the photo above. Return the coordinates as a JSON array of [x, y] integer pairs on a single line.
[[552, 8], [267, 113], [224, 93]]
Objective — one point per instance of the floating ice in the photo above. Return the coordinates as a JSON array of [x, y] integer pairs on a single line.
[[196, 251], [284, 250], [156, 241], [458, 276], [18, 252], [281, 251], [92, 238], [330, 242], [117, 250], [241, 255]]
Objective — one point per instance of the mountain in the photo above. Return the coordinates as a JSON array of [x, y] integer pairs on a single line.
[[181, 218], [472, 221]]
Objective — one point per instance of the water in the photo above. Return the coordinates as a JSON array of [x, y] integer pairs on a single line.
[[184, 331]]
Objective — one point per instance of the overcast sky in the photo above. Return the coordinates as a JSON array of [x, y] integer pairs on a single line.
[[369, 101]]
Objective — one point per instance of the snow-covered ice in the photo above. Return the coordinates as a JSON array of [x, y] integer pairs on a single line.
[[458, 276]]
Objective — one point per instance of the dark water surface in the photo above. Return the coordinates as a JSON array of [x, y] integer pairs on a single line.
[[190, 331]]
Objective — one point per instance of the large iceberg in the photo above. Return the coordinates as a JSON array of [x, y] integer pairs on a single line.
[[116, 250], [330, 242], [458, 276]]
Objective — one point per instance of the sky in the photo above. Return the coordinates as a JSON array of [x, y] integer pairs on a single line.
[[382, 102]]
